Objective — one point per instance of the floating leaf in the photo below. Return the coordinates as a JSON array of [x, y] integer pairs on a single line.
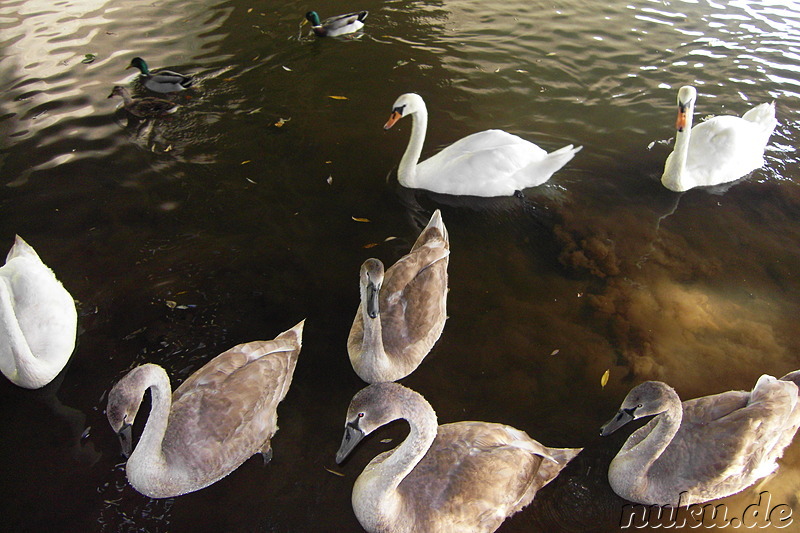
[[338, 97], [287, 69], [168, 148], [386, 441], [281, 122], [390, 238], [170, 304], [251, 181], [330, 180], [604, 379], [88, 58], [357, 219], [555, 352], [334, 472], [245, 162], [371, 245]]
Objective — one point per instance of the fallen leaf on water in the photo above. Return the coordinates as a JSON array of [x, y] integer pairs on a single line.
[[554, 352], [168, 148], [334, 472], [170, 304], [386, 441], [251, 181], [357, 219], [281, 122], [391, 238], [338, 97], [245, 162], [330, 180], [287, 69], [604, 379], [88, 58], [250, 10], [371, 245]]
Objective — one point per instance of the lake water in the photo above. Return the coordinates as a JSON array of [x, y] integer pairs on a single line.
[[235, 218]]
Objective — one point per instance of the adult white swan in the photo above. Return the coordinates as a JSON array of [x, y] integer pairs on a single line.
[[705, 448], [38, 320], [487, 163], [220, 416], [718, 150], [464, 477]]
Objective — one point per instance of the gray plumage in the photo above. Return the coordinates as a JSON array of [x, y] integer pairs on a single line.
[[160, 81], [403, 310], [706, 448], [459, 477], [220, 416]]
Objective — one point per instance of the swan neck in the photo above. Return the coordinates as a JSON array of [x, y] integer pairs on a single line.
[[674, 175], [407, 171], [664, 427], [423, 427], [149, 448]]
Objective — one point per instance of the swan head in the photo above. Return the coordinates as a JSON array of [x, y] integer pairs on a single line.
[[405, 105], [649, 398], [371, 282], [123, 405], [686, 98], [371, 408]]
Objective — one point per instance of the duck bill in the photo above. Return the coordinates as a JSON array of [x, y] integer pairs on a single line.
[[680, 123], [393, 118], [125, 435], [352, 436], [622, 418], [373, 294]]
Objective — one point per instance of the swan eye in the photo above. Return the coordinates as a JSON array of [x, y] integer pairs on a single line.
[[639, 406], [360, 415]]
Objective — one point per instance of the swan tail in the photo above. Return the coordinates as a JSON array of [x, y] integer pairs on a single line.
[[793, 377], [540, 171], [763, 115]]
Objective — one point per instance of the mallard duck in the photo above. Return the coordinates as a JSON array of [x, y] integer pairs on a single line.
[[487, 163], [402, 310], [458, 477], [718, 150], [162, 81], [218, 418], [702, 449], [335, 26], [38, 320], [143, 107]]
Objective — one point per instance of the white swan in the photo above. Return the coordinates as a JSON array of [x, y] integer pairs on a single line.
[[487, 163], [402, 311], [718, 150], [38, 320], [705, 448], [463, 477], [220, 416]]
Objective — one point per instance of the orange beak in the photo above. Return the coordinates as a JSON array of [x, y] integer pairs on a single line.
[[680, 123], [393, 118]]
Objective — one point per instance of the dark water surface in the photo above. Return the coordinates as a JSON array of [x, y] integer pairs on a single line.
[[184, 236]]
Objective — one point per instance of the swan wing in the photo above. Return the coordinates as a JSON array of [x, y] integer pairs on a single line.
[[475, 475]]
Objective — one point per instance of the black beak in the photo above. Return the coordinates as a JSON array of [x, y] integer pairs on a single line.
[[373, 293], [125, 435], [352, 436], [623, 417]]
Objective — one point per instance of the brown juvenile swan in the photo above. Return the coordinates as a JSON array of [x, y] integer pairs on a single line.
[[38, 320], [220, 416], [705, 448], [403, 310], [459, 477]]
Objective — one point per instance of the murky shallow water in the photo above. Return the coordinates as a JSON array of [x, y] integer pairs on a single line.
[[234, 219]]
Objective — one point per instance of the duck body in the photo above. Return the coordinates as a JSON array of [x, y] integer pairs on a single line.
[[219, 417], [718, 150], [403, 310], [161, 81], [146, 107], [335, 26], [488, 163], [458, 477], [38, 319], [702, 449]]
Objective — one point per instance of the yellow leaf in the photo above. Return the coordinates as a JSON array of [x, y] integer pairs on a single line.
[[604, 379], [357, 219], [170, 304], [245, 162], [338, 97], [334, 472]]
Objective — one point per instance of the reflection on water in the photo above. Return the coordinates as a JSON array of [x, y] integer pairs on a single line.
[[234, 218]]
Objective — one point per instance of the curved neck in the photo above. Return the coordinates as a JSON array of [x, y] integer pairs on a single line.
[[407, 170], [148, 450], [676, 163], [17, 362], [643, 453]]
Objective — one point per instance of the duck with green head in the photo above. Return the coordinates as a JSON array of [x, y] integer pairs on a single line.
[[339, 25], [162, 81]]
